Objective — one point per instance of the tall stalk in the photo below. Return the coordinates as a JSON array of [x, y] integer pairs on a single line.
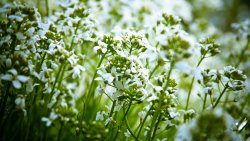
[[157, 115], [220, 96], [192, 82]]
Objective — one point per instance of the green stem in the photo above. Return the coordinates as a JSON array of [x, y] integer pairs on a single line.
[[60, 132], [47, 7], [3, 106], [93, 80], [70, 48], [72, 41], [221, 94], [153, 121], [45, 134], [192, 82], [124, 116], [40, 65], [61, 76], [129, 129], [189, 92], [226, 100], [204, 102], [112, 111], [157, 112], [169, 73], [54, 85], [156, 126], [143, 122], [153, 71]]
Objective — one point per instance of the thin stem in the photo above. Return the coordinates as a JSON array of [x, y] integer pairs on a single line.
[[218, 100], [61, 76], [47, 7], [124, 116], [157, 114], [54, 85], [129, 129], [211, 100], [189, 93], [204, 102], [156, 126], [3, 105], [40, 65], [72, 41], [112, 111], [169, 73], [192, 82], [93, 80], [60, 133], [226, 100], [153, 121], [153, 71], [143, 122]]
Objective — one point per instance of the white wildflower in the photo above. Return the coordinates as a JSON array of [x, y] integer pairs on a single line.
[[77, 71], [127, 134], [142, 114], [100, 115], [108, 120]]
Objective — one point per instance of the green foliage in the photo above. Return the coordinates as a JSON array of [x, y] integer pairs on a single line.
[[122, 70]]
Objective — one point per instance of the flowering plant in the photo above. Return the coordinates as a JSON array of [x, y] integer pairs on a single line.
[[123, 70]]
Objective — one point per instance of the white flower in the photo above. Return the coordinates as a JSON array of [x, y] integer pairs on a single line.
[[30, 31], [152, 97], [142, 114], [106, 76], [100, 115], [20, 36], [101, 46], [73, 59], [15, 78], [77, 71], [127, 134], [64, 104], [15, 17], [51, 49], [111, 92], [47, 120], [173, 113], [108, 120], [119, 85], [20, 102]]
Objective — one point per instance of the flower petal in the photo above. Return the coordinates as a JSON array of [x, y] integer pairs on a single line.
[[13, 71], [22, 78], [7, 77], [16, 84]]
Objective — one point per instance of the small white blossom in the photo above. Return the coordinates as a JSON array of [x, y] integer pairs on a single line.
[[127, 134], [77, 71], [142, 114], [15, 17], [20, 102], [100, 115], [108, 120]]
